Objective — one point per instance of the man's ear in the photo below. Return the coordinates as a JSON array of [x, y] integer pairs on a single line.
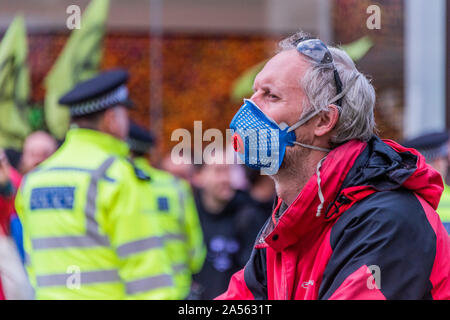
[[326, 120], [107, 121]]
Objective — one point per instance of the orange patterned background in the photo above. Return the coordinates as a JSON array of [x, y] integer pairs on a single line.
[[198, 70]]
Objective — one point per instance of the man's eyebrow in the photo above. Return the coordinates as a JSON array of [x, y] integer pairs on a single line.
[[266, 86], [270, 88]]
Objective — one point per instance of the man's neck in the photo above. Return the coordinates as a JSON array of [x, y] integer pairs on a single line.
[[290, 180]]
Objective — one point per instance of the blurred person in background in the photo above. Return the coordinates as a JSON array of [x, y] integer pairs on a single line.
[[170, 201], [37, 147], [9, 183], [354, 212], [434, 146], [262, 190], [230, 224], [183, 170], [14, 283], [84, 231], [14, 157]]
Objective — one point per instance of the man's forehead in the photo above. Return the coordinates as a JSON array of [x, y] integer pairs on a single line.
[[284, 69]]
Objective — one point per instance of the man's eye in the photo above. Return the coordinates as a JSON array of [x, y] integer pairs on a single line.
[[272, 96]]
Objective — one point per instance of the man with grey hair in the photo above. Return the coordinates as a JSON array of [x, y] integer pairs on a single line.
[[355, 215]]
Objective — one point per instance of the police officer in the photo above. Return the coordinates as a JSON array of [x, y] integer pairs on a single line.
[[84, 231], [171, 198], [434, 147]]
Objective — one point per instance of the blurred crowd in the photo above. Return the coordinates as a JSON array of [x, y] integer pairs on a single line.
[[232, 203]]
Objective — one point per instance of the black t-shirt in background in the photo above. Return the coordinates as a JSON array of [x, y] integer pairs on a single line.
[[229, 237]]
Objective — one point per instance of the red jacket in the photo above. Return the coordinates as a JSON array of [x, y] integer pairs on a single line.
[[378, 237], [7, 203], [6, 210]]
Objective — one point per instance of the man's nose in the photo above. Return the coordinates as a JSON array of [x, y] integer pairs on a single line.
[[257, 98]]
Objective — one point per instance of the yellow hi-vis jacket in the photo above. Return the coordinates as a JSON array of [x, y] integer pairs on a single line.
[[85, 232], [444, 208], [172, 199]]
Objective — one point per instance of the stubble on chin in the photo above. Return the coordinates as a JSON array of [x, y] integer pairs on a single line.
[[293, 160]]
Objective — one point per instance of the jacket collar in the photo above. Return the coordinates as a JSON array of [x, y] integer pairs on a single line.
[[350, 173], [101, 140], [300, 218], [142, 163]]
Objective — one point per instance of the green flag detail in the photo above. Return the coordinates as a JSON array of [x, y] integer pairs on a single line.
[[79, 60], [243, 86], [14, 85], [358, 49]]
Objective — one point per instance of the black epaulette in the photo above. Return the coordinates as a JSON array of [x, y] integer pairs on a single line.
[[141, 175]]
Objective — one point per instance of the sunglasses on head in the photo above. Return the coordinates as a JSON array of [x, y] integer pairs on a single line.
[[317, 51]]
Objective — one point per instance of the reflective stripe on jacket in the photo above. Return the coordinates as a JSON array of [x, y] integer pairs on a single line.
[[171, 198], [85, 234]]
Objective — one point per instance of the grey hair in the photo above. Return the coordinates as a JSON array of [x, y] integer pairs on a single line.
[[356, 120]]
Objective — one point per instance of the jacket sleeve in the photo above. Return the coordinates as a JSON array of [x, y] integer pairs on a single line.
[[137, 238], [193, 229], [237, 289], [383, 248]]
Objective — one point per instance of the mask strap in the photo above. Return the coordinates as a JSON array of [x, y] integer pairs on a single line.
[[344, 92], [334, 99], [303, 121], [311, 147], [310, 116], [300, 123]]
